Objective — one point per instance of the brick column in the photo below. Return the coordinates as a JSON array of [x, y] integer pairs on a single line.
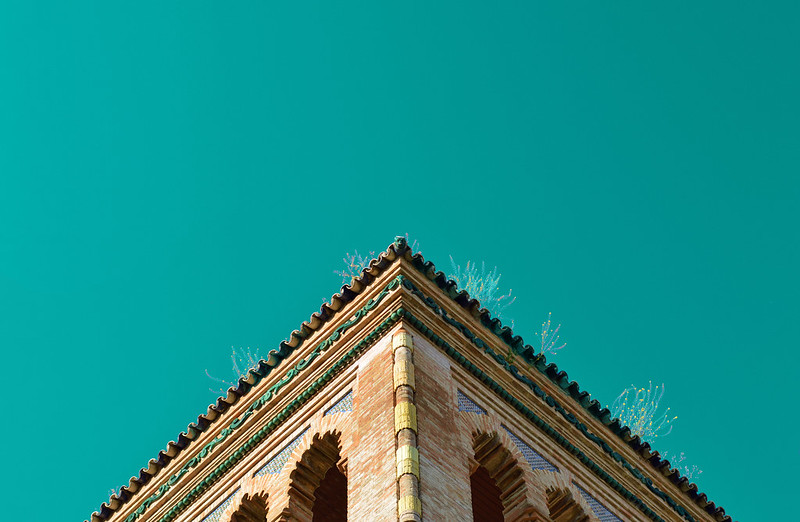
[[409, 508]]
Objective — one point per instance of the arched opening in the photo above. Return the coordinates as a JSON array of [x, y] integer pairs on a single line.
[[318, 484], [498, 478], [330, 498], [252, 509], [487, 504]]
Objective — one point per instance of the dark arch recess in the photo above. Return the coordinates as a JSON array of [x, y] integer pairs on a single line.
[[505, 472], [318, 484], [330, 498], [487, 504]]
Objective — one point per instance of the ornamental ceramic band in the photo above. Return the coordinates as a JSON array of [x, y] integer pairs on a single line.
[[402, 338], [405, 416], [404, 374], [407, 461], [409, 506]]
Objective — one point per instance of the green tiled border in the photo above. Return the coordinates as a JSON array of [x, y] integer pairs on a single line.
[[260, 402], [550, 401], [348, 358]]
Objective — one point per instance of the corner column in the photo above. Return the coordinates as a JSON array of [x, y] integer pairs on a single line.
[[409, 507]]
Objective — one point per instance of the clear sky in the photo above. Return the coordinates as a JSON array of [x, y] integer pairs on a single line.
[[177, 178]]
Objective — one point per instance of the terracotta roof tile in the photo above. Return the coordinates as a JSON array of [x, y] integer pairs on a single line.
[[346, 295]]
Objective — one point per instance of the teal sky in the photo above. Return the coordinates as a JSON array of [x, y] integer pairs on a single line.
[[177, 178]]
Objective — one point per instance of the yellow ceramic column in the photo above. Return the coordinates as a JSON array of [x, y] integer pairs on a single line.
[[409, 508]]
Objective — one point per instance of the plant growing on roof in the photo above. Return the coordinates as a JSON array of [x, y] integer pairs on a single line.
[[242, 361], [549, 340], [676, 461], [637, 408], [354, 264], [479, 283], [483, 285], [549, 337]]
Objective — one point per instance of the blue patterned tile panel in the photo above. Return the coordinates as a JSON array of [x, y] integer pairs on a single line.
[[532, 456], [468, 405], [276, 463], [343, 404], [216, 515], [599, 509]]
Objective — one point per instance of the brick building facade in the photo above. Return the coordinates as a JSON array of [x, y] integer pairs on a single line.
[[403, 400]]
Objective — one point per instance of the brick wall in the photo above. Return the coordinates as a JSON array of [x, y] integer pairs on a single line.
[[444, 448], [371, 485]]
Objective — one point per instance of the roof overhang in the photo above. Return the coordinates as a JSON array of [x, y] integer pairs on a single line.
[[400, 286]]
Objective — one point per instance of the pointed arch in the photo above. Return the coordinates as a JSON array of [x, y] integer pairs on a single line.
[[251, 502], [253, 508], [499, 460], [317, 474], [564, 501], [336, 423]]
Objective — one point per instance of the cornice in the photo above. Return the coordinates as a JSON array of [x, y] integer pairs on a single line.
[[493, 380], [600, 416], [209, 434], [347, 309]]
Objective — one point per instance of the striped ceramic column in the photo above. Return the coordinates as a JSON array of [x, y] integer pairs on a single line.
[[409, 507]]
